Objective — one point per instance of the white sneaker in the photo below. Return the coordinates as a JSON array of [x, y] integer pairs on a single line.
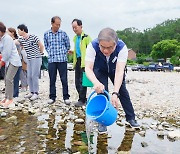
[[12, 105], [67, 101], [50, 101], [28, 95], [34, 97]]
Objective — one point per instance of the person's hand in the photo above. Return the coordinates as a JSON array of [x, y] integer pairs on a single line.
[[99, 87], [115, 101], [70, 52]]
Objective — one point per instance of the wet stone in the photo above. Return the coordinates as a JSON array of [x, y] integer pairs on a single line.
[[3, 114], [174, 135], [142, 133], [165, 124], [143, 127], [3, 137], [153, 127], [169, 129], [160, 134], [160, 127], [12, 119], [120, 123], [79, 121], [144, 144]]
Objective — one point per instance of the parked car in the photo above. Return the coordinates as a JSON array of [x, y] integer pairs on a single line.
[[152, 67], [136, 67], [143, 68], [168, 67], [159, 68]]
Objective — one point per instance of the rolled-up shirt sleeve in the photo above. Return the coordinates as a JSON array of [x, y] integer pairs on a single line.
[[90, 53], [123, 54]]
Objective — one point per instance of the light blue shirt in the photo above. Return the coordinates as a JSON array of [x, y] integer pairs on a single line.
[[9, 51], [78, 50]]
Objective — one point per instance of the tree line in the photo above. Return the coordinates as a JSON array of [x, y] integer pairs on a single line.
[[159, 42]]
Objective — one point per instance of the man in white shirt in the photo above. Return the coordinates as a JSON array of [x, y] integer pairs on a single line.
[[106, 57]]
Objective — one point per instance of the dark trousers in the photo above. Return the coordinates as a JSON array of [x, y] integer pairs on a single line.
[[78, 81], [62, 69], [16, 82], [124, 95]]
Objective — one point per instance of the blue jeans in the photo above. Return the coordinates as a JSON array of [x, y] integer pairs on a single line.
[[124, 95], [16, 82], [62, 69]]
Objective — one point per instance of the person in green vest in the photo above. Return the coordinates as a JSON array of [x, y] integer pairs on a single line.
[[81, 40]]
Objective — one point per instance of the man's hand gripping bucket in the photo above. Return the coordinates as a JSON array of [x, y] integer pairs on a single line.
[[100, 109]]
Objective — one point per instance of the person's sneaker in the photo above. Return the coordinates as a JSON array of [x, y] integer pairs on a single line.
[[3, 90], [28, 95], [50, 101], [67, 101], [79, 103], [132, 123], [11, 105], [8, 104], [102, 129], [34, 97]]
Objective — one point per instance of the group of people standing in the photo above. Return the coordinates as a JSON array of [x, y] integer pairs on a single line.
[[101, 58], [22, 57], [57, 45]]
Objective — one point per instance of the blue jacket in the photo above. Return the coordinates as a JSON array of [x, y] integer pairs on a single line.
[[101, 63]]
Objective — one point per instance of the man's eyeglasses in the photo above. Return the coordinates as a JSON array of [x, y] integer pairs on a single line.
[[110, 48]]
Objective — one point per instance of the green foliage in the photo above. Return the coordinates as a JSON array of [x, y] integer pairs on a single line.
[[175, 60], [142, 42], [141, 58], [131, 62], [146, 63], [131, 37], [164, 49]]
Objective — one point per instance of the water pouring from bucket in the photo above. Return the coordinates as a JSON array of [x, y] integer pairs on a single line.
[[100, 109]]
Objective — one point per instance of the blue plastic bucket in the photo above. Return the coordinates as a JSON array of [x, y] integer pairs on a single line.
[[100, 109]]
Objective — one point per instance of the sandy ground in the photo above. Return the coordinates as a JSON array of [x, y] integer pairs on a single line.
[[157, 91]]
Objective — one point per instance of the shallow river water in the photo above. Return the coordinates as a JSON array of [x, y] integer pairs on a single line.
[[51, 134]]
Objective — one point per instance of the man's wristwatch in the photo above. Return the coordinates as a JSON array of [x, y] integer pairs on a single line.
[[115, 93]]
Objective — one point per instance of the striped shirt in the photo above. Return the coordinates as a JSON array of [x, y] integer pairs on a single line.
[[31, 46], [57, 45]]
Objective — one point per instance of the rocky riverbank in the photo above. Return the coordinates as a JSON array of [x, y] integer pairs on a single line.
[[154, 95]]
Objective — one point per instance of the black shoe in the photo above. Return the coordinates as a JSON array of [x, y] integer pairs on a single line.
[[79, 103], [3, 90], [133, 123], [102, 129]]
